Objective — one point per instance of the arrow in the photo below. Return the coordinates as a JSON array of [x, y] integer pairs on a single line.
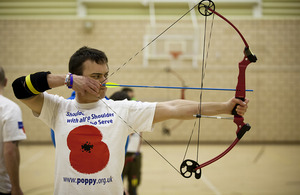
[[114, 85], [213, 117]]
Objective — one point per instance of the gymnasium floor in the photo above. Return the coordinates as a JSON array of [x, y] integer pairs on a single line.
[[247, 169]]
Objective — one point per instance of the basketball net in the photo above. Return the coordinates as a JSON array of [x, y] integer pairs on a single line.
[[175, 58]]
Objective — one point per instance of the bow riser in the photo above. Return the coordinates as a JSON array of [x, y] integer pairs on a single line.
[[242, 127], [240, 93], [241, 85]]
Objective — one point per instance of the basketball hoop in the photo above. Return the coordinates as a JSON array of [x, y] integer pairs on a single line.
[[175, 54]]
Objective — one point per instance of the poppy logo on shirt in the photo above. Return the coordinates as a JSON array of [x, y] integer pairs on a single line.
[[88, 154]]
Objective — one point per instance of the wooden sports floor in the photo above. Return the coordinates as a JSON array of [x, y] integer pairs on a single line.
[[246, 170]]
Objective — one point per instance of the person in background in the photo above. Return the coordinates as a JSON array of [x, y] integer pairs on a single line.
[[133, 163], [11, 132], [129, 92], [133, 157], [119, 95]]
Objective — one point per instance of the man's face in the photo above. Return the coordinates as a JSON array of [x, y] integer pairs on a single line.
[[98, 72]]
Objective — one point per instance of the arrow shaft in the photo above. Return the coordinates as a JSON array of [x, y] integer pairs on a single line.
[[168, 87], [213, 117]]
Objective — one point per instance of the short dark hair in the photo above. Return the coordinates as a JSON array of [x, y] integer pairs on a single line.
[[2, 76], [119, 95], [83, 54]]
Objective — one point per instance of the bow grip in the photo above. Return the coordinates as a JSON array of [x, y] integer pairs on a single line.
[[233, 112]]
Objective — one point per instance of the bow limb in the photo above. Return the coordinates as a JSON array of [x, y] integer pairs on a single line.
[[209, 8], [235, 28], [220, 155]]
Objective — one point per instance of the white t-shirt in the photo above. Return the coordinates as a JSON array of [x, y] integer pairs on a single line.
[[11, 129], [90, 141]]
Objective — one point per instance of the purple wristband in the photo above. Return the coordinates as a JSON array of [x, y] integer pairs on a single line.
[[71, 81]]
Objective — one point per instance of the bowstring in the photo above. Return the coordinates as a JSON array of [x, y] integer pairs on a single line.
[[124, 121], [204, 65], [126, 62], [203, 70], [203, 76], [159, 35]]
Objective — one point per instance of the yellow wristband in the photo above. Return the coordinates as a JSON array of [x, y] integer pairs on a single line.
[[30, 86]]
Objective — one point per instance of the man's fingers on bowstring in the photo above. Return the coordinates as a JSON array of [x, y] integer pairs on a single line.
[[85, 85]]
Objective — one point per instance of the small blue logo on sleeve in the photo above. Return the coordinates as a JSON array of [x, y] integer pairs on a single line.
[[21, 126]]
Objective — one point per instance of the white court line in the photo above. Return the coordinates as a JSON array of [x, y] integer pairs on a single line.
[[210, 185], [32, 159]]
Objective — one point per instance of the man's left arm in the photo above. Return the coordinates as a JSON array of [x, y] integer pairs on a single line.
[[185, 109]]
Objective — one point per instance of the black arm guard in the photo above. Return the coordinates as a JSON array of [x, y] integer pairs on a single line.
[[19, 89], [38, 81]]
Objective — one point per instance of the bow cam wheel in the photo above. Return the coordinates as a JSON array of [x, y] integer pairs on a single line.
[[187, 168], [206, 7]]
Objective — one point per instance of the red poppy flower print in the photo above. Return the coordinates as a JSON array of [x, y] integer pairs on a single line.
[[88, 153]]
